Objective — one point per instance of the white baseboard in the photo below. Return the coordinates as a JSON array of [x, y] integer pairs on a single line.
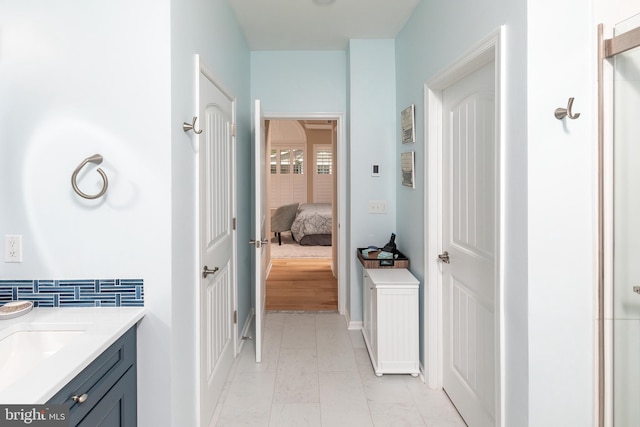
[[352, 325], [245, 330], [422, 376]]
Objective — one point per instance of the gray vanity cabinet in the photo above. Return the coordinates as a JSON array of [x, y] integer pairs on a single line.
[[104, 393]]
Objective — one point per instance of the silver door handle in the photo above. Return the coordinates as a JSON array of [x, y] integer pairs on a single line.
[[258, 243], [444, 257], [207, 271]]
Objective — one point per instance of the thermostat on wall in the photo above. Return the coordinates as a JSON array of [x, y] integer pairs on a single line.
[[375, 170]]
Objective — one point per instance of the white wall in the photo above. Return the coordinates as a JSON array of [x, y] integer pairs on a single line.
[[71, 88], [562, 172], [612, 12], [78, 79]]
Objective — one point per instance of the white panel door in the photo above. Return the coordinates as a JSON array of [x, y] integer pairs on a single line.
[[260, 214], [469, 181], [217, 248]]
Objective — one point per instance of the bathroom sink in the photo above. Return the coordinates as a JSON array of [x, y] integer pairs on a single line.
[[43, 350], [26, 346]]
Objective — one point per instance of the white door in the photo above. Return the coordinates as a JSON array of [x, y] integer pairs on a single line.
[[217, 243], [259, 241], [469, 181]]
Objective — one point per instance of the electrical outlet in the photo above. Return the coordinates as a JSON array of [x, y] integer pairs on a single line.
[[12, 248]]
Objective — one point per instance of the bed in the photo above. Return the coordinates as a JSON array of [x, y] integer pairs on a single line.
[[312, 225]]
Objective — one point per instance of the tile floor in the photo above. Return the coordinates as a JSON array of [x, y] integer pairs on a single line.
[[315, 372]]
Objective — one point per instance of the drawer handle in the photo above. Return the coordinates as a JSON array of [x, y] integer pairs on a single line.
[[80, 399]]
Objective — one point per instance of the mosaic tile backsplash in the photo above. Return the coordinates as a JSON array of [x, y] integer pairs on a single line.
[[75, 293]]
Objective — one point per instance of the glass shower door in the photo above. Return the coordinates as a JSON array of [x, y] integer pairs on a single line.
[[626, 233]]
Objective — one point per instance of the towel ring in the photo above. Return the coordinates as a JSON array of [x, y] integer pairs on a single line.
[[97, 159]]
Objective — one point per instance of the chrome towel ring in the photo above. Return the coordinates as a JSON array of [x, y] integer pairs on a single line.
[[97, 159]]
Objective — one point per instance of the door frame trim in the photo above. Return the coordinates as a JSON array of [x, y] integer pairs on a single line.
[[341, 189], [490, 48]]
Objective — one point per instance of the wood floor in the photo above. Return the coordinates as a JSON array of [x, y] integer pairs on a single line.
[[301, 284]]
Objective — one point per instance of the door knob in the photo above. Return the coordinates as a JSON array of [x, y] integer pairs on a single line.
[[206, 271], [444, 257]]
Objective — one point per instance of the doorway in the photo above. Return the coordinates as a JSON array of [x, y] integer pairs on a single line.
[[302, 177]]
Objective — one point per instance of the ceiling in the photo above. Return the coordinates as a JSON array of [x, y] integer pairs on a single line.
[[304, 25]]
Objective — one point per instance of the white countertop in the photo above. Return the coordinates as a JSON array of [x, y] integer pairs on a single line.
[[102, 326], [392, 277]]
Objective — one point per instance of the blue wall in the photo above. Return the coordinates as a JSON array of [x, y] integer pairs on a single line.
[[208, 28], [317, 82], [436, 35], [372, 139], [299, 81]]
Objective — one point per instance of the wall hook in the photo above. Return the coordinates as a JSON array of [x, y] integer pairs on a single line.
[[97, 159], [561, 113], [191, 126]]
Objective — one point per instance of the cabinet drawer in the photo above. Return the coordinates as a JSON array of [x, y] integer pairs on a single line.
[[117, 407], [97, 378]]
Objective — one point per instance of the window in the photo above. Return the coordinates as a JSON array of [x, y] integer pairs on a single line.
[[288, 180], [323, 162], [273, 162], [285, 161], [298, 162]]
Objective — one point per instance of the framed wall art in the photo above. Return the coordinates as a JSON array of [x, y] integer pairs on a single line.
[[407, 166], [408, 123]]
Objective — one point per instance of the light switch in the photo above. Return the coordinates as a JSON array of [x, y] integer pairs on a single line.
[[378, 206]]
